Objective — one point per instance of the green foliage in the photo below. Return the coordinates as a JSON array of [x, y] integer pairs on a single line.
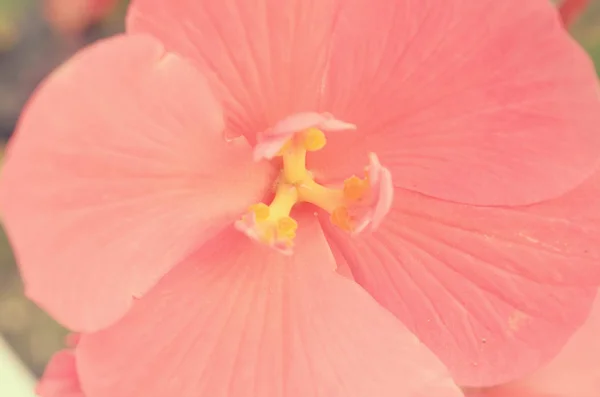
[[587, 32], [14, 7]]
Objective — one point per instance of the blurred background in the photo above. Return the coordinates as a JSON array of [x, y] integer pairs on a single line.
[[35, 37]]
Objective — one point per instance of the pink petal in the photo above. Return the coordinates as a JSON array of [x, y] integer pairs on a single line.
[[494, 292], [506, 391], [575, 372], [483, 102], [239, 320], [265, 58], [60, 377], [118, 171]]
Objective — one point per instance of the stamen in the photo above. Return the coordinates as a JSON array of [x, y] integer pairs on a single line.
[[357, 205], [285, 148], [341, 218], [287, 227], [273, 141], [261, 211], [326, 198], [294, 164], [355, 188], [314, 139], [271, 224], [285, 199]]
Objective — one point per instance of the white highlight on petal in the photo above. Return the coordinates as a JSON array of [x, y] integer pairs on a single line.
[[271, 141]]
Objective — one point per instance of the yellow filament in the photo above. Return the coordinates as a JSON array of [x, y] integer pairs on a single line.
[[294, 154], [285, 199], [311, 192], [294, 165]]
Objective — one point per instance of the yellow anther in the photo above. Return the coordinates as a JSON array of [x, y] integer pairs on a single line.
[[341, 218], [287, 227], [313, 139], [355, 188], [272, 224], [261, 211]]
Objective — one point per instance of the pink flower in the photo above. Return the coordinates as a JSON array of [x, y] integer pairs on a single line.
[[74, 16], [461, 137], [575, 372]]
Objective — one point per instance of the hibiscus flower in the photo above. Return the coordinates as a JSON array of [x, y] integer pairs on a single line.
[[270, 198]]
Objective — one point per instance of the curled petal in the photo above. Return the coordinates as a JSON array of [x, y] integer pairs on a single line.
[[381, 197], [273, 140]]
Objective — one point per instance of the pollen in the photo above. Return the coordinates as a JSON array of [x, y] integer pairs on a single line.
[[355, 188], [261, 211], [341, 218], [314, 139], [271, 224], [287, 227], [352, 207]]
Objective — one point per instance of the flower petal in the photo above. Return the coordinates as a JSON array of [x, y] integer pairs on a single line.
[[118, 170], [265, 58], [60, 377], [494, 292], [575, 372], [239, 320], [506, 392], [484, 102]]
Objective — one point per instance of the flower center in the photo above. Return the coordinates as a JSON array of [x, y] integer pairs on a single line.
[[358, 204]]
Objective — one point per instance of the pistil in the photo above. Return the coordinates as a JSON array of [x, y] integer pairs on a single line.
[[352, 207]]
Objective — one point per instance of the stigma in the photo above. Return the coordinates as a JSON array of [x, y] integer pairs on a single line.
[[360, 204]]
